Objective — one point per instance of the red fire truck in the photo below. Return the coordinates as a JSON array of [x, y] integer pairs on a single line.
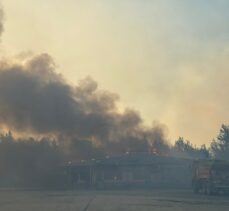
[[210, 176]]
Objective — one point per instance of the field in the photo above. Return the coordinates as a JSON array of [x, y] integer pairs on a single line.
[[157, 200]]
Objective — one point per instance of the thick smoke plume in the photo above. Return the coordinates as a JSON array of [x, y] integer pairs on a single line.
[[34, 99], [80, 122], [84, 121], [56, 122]]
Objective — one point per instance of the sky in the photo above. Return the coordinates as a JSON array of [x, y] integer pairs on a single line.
[[168, 59]]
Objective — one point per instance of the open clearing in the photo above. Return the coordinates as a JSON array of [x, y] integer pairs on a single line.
[[157, 200]]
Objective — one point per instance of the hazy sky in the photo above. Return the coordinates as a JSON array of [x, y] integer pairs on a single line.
[[168, 59]]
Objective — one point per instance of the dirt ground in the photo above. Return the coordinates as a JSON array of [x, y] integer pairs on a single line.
[[157, 200]]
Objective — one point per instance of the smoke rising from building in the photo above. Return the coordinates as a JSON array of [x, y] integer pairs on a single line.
[[36, 101], [83, 120]]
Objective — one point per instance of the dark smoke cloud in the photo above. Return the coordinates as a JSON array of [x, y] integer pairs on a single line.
[[34, 99]]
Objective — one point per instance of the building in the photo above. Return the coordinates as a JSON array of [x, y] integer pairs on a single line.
[[130, 170]]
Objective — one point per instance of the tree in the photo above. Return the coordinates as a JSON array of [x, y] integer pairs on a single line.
[[220, 145], [204, 152], [184, 148]]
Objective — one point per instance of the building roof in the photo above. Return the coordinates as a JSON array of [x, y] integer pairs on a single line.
[[133, 159]]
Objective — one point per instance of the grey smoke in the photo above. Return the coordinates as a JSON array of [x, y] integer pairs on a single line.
[[34, 99], [37, 101]]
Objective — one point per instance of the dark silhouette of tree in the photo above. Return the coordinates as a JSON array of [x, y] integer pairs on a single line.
[[28, 162], [220, 145], [184, 148], [204, 151]]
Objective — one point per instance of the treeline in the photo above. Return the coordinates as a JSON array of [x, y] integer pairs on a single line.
[[29, 162], [218, 149], [39, 162]]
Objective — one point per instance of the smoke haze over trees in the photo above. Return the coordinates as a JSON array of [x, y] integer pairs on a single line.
[[81, 122], [53, 121], [37, 101]]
